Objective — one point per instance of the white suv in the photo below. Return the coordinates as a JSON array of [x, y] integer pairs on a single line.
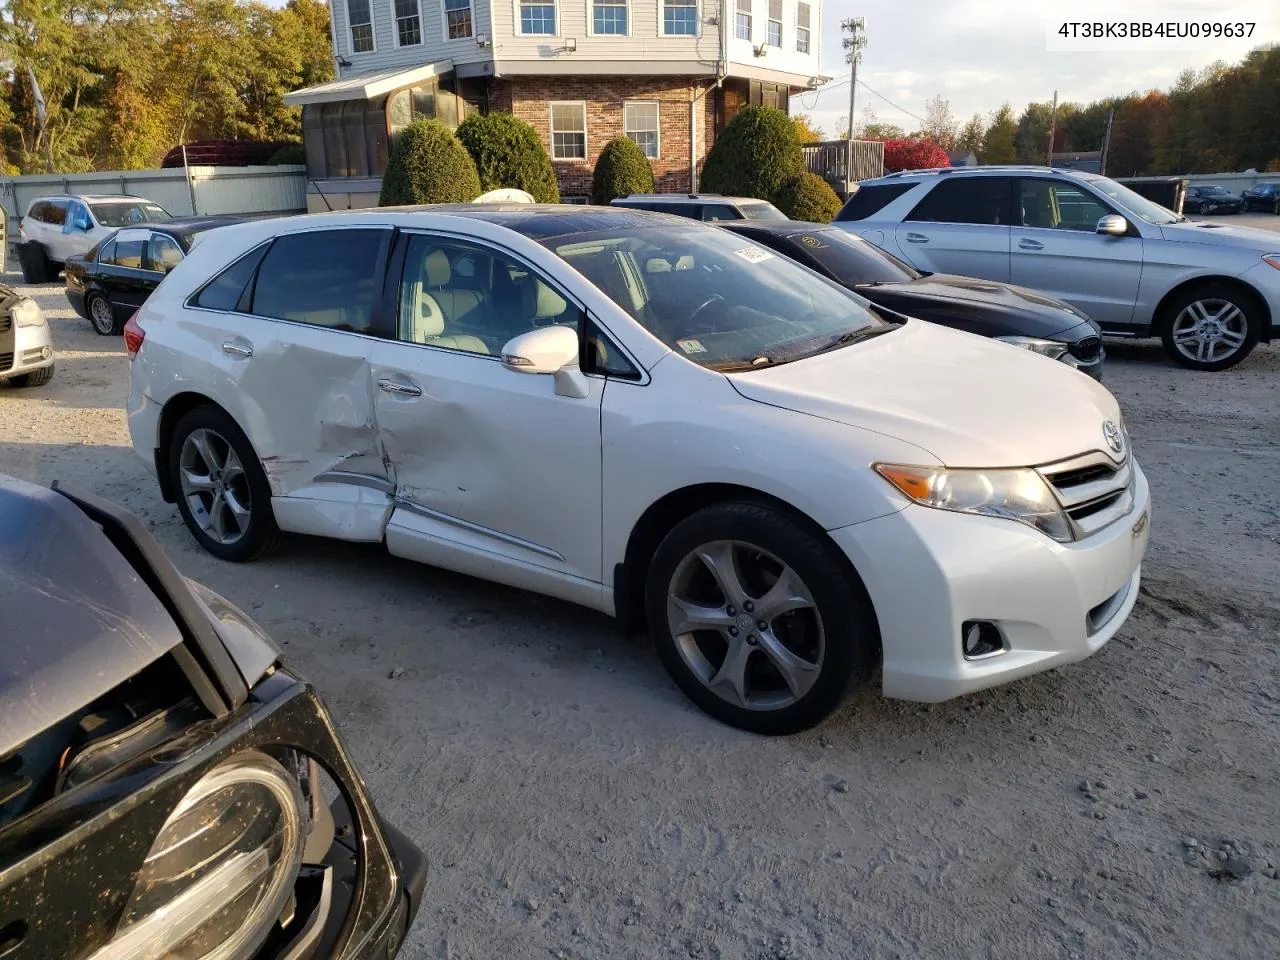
[[58, 228]]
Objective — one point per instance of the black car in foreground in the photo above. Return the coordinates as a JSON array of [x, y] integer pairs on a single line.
[[168, 787], [112, 280], [1015, 315], [1211, 199], [1263, 196]]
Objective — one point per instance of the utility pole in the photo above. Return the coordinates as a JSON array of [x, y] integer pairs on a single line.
[[1053, 126], [856, 27], [1106, 143]]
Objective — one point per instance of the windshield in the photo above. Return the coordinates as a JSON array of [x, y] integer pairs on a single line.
[[716, 297], [1216, 191], [852, 260], [762, 211], [122, 213], [1135, 203]]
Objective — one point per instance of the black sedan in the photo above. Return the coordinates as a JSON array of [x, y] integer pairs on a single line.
[[1211, 199], [1014, 314], [112, 280], [1263, 196]]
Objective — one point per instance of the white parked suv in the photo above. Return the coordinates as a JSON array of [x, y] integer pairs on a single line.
[[657, 419], [57, 228]]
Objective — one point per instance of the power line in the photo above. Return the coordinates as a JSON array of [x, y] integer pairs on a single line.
[[840, 83]]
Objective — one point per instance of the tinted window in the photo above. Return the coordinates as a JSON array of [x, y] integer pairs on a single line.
[[107, 253], [76, 212], [851, 260], [55, 212], [38, 211], [979, 200], [1051, 204], [712, 212], [324, 278], [129, 250], [163, 252], [871, 199], [225, 290], [123, 213], [601, 355]]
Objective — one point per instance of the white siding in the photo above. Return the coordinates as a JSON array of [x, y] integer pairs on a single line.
[[786, 59], [645, 41], [387, 55]]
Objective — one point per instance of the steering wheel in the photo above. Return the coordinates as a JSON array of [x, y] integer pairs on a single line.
[[713, 300]]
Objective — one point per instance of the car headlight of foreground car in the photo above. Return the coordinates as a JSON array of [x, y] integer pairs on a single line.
[[1053, 349], [1019, 494], [27, 313]]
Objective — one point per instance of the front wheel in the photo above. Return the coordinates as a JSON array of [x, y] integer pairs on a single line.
[[759, 620], [36, 378], [1211, 327]]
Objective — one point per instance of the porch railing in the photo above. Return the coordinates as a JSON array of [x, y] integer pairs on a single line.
[[842, 163]]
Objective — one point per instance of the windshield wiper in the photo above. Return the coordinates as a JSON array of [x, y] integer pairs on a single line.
[[853, 336]]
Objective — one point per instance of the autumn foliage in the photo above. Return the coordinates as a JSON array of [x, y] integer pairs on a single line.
[[912, 154]]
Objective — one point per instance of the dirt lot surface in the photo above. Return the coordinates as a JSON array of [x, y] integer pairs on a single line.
[[575, 805]]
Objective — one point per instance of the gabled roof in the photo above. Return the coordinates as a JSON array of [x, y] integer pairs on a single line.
[[367, 86]]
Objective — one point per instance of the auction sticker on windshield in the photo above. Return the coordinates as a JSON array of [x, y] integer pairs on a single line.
[[753, 254], [691, 346]]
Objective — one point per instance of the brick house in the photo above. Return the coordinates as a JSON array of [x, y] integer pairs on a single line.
[[581, 72]]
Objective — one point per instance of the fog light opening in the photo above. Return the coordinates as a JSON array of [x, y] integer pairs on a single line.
[[980, 639]]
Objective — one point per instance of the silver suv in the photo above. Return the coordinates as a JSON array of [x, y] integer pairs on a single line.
[[1209, 290]]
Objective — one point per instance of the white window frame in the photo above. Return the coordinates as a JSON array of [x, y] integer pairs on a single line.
[[770, 21], [657, 124], [808, 30], [395, 27], [697, 21], [518, 23], [591, 21], [738, 12], [444, 23], [551, 128], [373, 30]]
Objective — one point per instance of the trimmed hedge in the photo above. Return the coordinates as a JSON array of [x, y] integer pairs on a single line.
[[807, 197], [757, 151], [508, 153], [288, 154], [429, 165], [622, 169]]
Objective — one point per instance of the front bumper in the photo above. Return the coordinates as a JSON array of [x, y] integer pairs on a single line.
[[32, 350], [928, 571]]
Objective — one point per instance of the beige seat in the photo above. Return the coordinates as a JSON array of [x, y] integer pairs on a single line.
[[429, 322], [458, 305]]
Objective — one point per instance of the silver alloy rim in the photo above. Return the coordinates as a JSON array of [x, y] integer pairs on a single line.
[[1208, 331], [100, 311], [215, 486], [746, 625]]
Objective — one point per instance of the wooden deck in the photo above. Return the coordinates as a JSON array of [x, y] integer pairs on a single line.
[[842, 163]]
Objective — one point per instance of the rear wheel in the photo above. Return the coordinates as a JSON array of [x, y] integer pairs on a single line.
[[36, 378], [101, 315], [757, 618], [1212, 327]]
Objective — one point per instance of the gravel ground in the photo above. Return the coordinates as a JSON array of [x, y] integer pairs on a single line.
[[575, 805]]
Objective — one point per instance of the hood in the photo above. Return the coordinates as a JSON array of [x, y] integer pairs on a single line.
[[1222, 235], [969, 401], [1002, 307]]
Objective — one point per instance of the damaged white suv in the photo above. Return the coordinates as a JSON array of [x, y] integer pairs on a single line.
[[657, 419]]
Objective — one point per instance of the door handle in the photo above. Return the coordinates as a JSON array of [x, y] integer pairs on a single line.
[[231, 348], [917, 238], [399, 388], [1026, 244]]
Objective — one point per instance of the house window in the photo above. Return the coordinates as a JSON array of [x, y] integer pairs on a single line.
[[742, 25], [538, 18], [360, 16], [640, 123], [680, 18], [802, 28], [569, 131], [775, 23], [609, 18], [408, 23], [457, 19]]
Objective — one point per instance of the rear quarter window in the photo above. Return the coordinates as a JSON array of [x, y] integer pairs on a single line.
[[871, 199], [225, 290]]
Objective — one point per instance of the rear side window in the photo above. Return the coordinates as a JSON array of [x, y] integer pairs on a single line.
[[871, 199], [325, 278], [55, 212], [225, 290], [108, 252], [975, 200]]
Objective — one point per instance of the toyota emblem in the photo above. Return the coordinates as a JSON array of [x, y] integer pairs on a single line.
[[1111, 433]]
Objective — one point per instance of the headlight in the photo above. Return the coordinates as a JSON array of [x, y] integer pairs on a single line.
[[1053, 349], [27, 313], [1020, 495], [221, 869]]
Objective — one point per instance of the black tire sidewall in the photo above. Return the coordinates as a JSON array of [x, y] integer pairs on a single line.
[[262, 531], [850, 629], [1212, 291], [89, 301]]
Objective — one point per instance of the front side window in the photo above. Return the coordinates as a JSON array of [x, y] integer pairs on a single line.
[[716, 298], [538, 18], [325, 278], [360, 19], [122, 213], [457, 19], [680, 18], [972, 200], [568, 131], [802, 28], [640, 123], [408, 23], [1051, 205], [775, 23], [1134, 203], [163, 252], [742, 21]]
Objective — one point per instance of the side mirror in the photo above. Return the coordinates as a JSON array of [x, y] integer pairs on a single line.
[[551, 350], [1112, 225]]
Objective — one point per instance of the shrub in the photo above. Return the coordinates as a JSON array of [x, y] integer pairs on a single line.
[[288, 154], [621, 170], [807, 197], [429, 165], [757, 151], [508, 153], [913, 155]]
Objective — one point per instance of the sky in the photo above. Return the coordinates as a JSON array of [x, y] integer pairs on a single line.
[[979, 53]]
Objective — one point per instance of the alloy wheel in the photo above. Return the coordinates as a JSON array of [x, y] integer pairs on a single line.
[[100, 315], [215, 486], [746, 625], [1210, 330]]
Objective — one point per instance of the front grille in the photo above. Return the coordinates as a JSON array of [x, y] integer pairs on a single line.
[[6, 321], [1087, 350], [6, 361], [1093, 489]]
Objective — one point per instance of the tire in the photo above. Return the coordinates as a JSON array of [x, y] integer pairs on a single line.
[[235, 476], [34, 262], [1229, 312], [36, 378], [101, 315], [826, 622]]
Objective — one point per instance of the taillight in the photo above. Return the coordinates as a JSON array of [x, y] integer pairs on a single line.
[[133, 336]]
